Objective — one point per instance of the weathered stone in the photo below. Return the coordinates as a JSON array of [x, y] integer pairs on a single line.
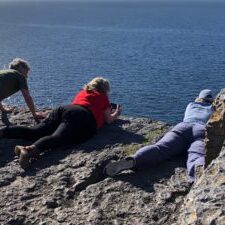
[[66, 185], [205, 202], [215, 132]]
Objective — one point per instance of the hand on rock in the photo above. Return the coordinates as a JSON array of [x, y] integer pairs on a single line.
[[40, 115]]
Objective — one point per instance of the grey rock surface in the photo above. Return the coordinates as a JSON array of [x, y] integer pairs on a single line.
[[215, 132], [205, 202], [66, 185]]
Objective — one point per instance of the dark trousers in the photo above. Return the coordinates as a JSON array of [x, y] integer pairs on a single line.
[[70, 124]]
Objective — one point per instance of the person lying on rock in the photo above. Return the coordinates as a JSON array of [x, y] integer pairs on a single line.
[[70, 124], [11, 81], [186, 137]]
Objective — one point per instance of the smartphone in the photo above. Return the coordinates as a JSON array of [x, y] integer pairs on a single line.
[[114, 105]]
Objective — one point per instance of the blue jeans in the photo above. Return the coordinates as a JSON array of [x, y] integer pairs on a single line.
[[184, 138]]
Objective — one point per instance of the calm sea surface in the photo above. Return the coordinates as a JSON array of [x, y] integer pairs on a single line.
[[157, 56]]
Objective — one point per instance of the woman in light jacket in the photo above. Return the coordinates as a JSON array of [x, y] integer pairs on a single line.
[[186, 137]]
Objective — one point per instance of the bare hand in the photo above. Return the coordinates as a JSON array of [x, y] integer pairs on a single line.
[[40, 115], [7, 109], [118, 109]]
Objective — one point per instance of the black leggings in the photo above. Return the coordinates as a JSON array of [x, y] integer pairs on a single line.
[[70, 124]]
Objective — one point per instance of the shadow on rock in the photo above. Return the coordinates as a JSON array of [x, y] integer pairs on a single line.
[[108, 137], [7, 150], [145, 179]]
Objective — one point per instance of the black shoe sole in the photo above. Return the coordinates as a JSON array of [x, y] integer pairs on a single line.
[[114, 168]]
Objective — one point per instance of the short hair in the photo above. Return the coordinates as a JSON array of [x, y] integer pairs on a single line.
[[98, 84], [16, 63]]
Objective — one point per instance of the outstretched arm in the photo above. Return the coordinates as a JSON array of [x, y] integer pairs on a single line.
[[112, 116], [30, 103]]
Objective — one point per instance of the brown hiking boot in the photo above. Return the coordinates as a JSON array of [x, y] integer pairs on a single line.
[[25, 155], [18, 149]]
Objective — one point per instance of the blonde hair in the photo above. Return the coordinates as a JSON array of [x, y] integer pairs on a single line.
[[199, 100], [98, 84], [16, 63], [203, 100]]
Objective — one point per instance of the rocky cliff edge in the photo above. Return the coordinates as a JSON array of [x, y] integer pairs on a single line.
[[66, 186]]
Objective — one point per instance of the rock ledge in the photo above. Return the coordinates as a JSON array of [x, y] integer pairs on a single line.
[[65, 186]]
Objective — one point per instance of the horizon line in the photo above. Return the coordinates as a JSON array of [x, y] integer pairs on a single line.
[[111, 1]]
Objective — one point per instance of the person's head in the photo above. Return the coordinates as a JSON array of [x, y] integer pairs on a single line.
[[20, 65], [205, 96], [99, 84]]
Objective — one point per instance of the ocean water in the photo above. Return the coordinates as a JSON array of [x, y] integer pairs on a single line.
[[157, 56]]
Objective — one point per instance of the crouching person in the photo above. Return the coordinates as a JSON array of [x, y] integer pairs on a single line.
[[13, 80]]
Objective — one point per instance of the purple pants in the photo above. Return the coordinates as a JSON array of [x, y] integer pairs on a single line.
[[184, 138]]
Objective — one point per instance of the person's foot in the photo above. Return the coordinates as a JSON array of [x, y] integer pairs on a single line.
[[113, 168], [26, 154], [24, 159], [5, 119], [18, 149]]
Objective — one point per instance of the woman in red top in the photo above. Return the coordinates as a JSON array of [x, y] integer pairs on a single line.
[[73, 123], [94, 98]]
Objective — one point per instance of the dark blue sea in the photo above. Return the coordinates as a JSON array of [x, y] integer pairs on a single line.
[[158, 56]]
